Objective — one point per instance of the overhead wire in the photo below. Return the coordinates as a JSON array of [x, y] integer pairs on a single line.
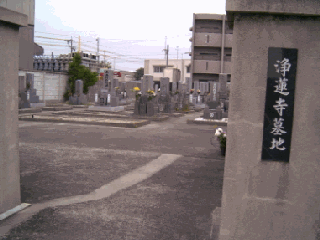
[[123, 57]]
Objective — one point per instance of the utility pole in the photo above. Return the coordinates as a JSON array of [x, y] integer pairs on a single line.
[[177, 48], [182, 68], [71, 47], [165, 44], [98, 57], [167, 51], [79, 45]]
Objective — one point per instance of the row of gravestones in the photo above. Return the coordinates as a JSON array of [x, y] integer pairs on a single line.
[[165, 101], [218, 104], [27, 92]]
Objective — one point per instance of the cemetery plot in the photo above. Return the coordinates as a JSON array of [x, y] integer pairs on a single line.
[[127, 123]]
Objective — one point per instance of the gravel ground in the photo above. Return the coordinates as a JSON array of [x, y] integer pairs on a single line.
[[172, 204]]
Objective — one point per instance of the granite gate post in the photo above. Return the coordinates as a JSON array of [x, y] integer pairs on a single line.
[[271, 182]]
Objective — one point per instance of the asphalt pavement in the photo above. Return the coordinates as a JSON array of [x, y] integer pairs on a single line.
[[61, 160]]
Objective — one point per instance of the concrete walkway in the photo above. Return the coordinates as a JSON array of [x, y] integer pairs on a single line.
[[105, 191]]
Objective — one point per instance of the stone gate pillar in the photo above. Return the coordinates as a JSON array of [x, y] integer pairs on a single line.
[[278, 196], [12, 16]]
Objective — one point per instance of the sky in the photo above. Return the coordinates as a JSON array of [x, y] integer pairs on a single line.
[[129, 31]]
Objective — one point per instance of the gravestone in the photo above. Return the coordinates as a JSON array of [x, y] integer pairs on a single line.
[[24, 102], [212, 104], [79, 98], [202, 87], [122, 86], [213, 91], [174, 87], [29, 97], [143, 105], [147, 83], [164, 86], [114, 84], [150, 109], [22, 84], [222, 87], [30, 79], [206, 85], [196, 86], [189, 83], [114, 101]]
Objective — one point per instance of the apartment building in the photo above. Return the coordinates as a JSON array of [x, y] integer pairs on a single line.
[[211, 47], [155, 67]]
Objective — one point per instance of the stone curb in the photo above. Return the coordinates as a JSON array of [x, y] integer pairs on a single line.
[[30, 110], [176, 114], [80, 106], [123, 125], [156, 119], [56, 108], [206, 122], [76, 114], [215, 224]]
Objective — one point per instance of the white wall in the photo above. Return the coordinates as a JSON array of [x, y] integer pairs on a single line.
[[50, 86]]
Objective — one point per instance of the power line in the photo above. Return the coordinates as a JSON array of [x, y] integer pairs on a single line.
[[47, 44], [51, 38], [52, 33]]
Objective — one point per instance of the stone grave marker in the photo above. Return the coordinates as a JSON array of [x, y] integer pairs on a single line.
[[22, 84], [196, 86], [189, 83], [202, 88], [164, 86], [174, 87], [213, 91]]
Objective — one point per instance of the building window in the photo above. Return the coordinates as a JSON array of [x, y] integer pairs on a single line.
[[206, 53], [228, 54], [207, 65], [158, 68], [188, 69]]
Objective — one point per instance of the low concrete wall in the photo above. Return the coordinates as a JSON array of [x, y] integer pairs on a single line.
[[50, 86]]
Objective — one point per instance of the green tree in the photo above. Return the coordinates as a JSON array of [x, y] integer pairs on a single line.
[[139, 73], [77, 71]]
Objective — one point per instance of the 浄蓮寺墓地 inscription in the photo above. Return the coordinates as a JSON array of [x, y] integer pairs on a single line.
[[279, 105]]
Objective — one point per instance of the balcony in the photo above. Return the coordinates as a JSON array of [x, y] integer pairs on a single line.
[[201, 39], [228, 40], [200, 66]]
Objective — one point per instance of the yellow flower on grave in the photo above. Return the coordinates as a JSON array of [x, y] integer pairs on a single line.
[[136, 89]]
